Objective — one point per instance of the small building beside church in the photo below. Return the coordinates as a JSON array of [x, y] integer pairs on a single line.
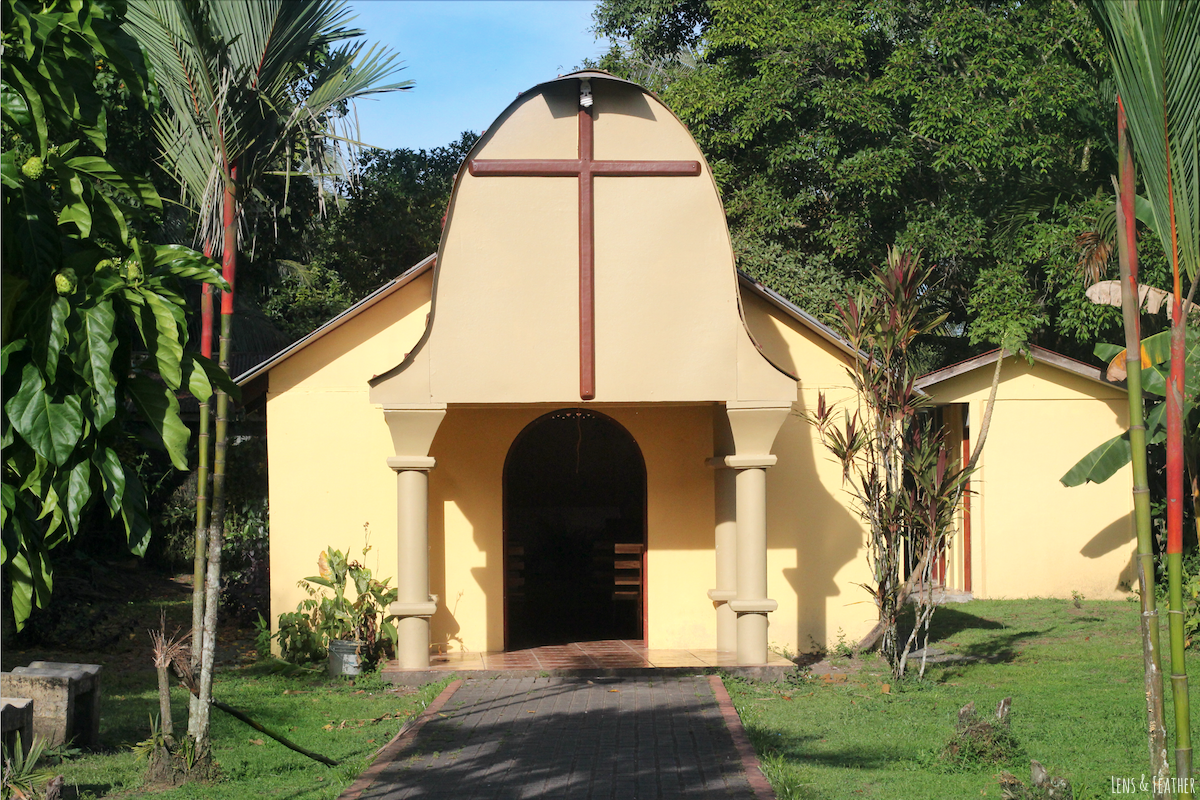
[[1022, 533], [576, 420]]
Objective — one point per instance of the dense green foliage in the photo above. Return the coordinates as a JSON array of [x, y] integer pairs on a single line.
[[392, 214], [976, 132], [94, 323]]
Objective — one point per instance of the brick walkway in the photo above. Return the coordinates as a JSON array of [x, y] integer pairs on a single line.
[[571, 738]]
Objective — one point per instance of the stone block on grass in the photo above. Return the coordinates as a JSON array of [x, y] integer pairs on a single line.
[[66, 700]]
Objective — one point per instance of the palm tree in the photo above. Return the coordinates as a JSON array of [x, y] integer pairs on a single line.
[[1156, 65], [250, 88]]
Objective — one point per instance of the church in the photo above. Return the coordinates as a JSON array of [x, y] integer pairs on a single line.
[[577, 421]]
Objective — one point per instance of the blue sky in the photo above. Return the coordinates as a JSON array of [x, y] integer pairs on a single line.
[[469, 59]]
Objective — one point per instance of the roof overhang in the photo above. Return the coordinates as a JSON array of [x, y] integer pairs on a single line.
[[1038, 354]]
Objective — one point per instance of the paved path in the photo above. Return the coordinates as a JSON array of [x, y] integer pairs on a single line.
[[623, 739]]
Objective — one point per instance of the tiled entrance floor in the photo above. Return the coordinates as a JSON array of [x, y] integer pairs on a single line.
[[584, 657]]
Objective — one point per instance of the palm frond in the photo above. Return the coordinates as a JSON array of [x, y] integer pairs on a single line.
[[258, 83], [1156, 54]]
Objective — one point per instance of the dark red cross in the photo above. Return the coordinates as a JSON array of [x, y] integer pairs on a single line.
[[585, 168]]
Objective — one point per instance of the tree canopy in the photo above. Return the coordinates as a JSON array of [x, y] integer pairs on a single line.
[[973, 131]]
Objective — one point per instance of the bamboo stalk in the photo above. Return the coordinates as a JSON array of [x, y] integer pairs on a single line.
[[1149, 623]]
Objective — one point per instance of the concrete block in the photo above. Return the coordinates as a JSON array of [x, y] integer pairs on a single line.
[[16, 719], [66, 700]]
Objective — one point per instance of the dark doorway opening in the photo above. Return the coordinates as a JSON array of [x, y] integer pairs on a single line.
[[574, 531]]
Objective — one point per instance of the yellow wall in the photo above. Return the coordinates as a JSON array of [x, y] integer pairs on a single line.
[[328, 446], [816, 543], [1031, 536]]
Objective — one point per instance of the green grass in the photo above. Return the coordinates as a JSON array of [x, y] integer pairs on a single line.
[[338, 718], [1074, 676]]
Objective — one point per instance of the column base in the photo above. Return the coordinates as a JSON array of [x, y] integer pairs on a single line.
[[751, 638], [412, 649]]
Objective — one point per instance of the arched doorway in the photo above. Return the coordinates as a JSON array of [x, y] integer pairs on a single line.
[[574, 531]]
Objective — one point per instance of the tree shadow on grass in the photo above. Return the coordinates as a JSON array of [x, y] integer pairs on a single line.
[[999, 645], [804, 749]]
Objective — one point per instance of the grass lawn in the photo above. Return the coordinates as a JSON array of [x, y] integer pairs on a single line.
[[1074, 676], [346, 720], [339, 718]]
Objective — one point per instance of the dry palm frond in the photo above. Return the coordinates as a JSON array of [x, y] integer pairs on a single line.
[[1095, 252]]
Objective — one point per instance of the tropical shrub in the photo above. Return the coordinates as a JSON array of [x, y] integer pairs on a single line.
[[94, 330]]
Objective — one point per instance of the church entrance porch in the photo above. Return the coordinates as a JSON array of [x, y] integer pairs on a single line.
[[588, 659], [574, 532]]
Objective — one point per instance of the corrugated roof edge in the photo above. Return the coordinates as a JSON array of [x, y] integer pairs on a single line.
[[392, 286], [1038, 353], [795, 312]]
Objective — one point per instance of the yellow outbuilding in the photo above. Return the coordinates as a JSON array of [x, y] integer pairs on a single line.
[[577, 421], [1022, 533]]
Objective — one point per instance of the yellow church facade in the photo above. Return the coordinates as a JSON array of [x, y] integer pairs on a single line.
[[575, 421]]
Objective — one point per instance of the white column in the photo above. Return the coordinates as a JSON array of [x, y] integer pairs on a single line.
[[414, 605], [412, 429], [751, 604], [726, 555], [754, 427]]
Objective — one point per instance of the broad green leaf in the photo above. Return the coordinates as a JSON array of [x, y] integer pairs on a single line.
[[135, 517], [21, 580], [183, 262], [100, 170], [1158, 347], [60, 309], [10, 173], [1156, 424], [112, 216], [1154, 381], [76, 209], [113, 475], [166, 352], [218, 377], [160, 409], [196, 378], [1100, 464], [1107, 352], [25, 77], [51, 428], [8, 502], [99, 344], [79, 491]]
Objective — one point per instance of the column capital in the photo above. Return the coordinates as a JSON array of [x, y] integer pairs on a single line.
[[743, 461], [427, 609], [721, 595], [413, 427], [762, 606], [403, 463]]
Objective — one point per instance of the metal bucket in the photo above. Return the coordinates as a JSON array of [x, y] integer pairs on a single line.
[[343, 657]]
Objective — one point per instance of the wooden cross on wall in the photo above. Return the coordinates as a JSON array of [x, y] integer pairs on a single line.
[[585, 168]]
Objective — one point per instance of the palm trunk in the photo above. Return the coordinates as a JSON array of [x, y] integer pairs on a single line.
[[212, 582], [1151, 651], [199, 561], [1179, 681]]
